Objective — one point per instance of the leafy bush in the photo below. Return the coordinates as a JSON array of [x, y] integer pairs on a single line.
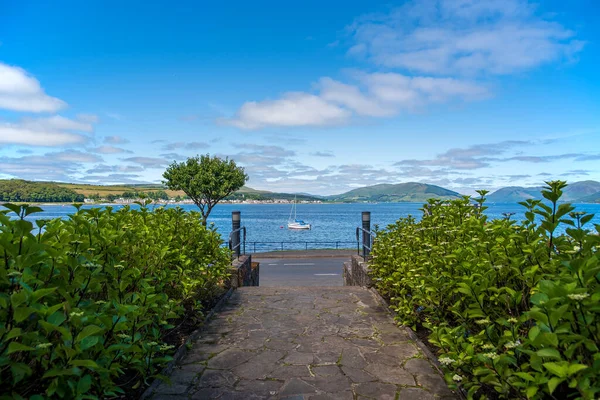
[[84, 302], [513, 308]]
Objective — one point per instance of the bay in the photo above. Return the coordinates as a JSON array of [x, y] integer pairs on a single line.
[[332, 224]]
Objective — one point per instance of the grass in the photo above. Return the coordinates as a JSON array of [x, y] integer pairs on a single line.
[[105, 190]]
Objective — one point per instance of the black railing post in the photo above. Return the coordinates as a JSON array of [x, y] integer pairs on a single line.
[[244, 241], [366, 225], [236, 222]]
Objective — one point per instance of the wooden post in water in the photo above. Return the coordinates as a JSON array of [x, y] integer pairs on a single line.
[[236, 222], [366, 225]]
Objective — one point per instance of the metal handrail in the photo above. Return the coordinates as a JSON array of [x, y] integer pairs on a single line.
[[365, 246], [242, 241], [281, 244]]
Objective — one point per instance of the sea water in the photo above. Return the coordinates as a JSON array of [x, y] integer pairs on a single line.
[[332, 225]]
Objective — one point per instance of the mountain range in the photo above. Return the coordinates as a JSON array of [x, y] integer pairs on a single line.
[[576, 192], [401, 192]]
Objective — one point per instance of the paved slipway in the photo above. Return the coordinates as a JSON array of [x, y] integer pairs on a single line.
[[304, 343]]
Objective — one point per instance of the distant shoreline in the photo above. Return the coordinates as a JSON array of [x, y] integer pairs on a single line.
[[64, 204]]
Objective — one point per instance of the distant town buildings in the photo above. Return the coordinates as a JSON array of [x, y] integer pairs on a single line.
[[122, 200]]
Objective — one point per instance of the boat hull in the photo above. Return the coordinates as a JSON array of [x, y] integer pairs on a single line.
[[298, 226]]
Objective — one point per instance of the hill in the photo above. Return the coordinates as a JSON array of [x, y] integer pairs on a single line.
[[576, 192], [401, 192], [115, 190], [247, 193], [593, 198], [19, 190], [513, 194]]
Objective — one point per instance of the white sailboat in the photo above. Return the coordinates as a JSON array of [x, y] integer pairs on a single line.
[[296, 223]]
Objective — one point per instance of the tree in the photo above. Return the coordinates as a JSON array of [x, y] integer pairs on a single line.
[[206, 180]]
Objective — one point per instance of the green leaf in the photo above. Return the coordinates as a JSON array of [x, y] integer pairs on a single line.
[[558, 369], [553, 383], [586, 218], [14, 347], [57, 318], [533, 332], [84, 363], [575, 368], [14, 332], [539, 298], [18, 298], [61, 372], [525, 376], [531, 391], [88, 342], [13, 207], [538, 316], [550, 353], [32, 210], [38, 294], [88, 331], [23, 313], [84, 384], [20, 371]]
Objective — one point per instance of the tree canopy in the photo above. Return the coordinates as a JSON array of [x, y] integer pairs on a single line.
[[16, 190], [205, 179]]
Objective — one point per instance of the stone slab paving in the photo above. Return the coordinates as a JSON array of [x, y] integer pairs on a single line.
[[304, 343]]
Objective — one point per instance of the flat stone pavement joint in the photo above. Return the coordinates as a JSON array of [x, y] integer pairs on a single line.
[[305, 343]]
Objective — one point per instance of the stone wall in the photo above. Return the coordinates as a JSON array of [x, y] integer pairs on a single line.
[[356, 272], [244, 272]]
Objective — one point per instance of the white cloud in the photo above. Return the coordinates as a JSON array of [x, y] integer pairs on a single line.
[[293, 109], [20, 91], [59, 166], [115, 140], [103, 168], [148, 162], [185, 145], [462, 36], [472, 157], [322, 154], [51, 131], [74, 156], [350, 96], [372, 95], [57, 123], [108, 150], [90, 118]]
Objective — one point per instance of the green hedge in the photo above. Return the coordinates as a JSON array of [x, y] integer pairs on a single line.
[[513, 308], [85, 302]]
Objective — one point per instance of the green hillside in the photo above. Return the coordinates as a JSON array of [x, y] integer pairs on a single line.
[[593, 198], [18, 190], [576, 192], [513, 194], [401, 192], [247, 193]]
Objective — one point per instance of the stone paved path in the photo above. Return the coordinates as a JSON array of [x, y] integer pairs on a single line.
[[304, 343]]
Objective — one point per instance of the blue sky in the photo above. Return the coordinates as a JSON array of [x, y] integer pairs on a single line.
[[317, 97]]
